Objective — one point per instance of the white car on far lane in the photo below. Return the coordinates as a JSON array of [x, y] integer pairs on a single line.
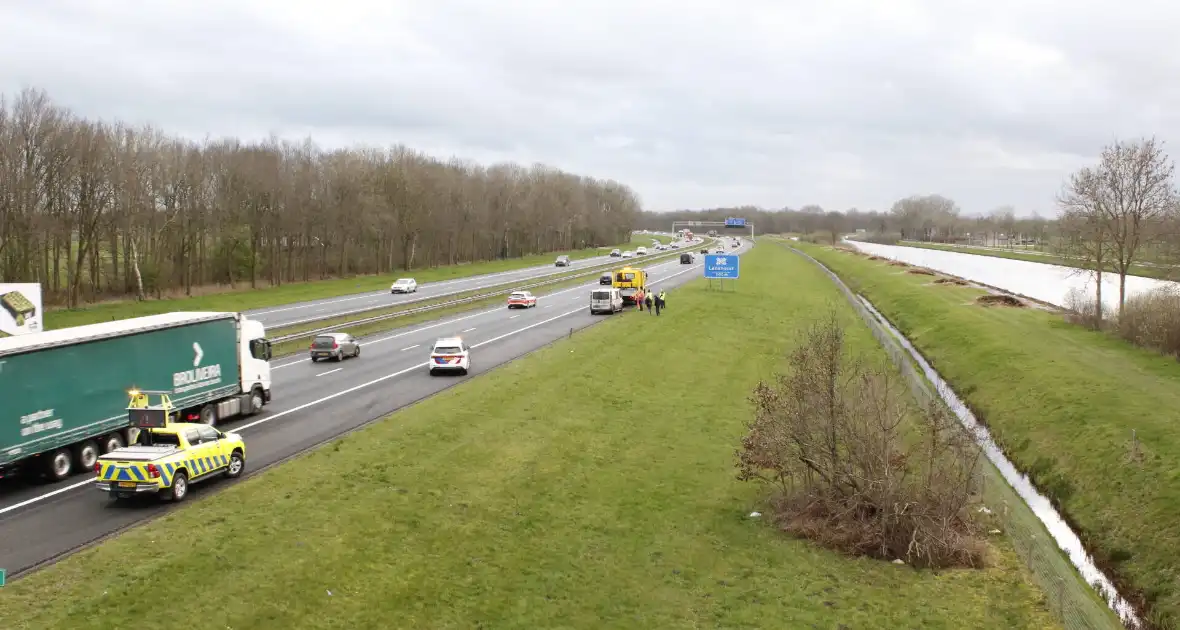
[[404, 285]]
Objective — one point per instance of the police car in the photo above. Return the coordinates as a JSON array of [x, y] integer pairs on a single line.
[[450, 354]]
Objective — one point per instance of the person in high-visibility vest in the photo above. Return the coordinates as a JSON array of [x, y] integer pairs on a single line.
[[639, 299]]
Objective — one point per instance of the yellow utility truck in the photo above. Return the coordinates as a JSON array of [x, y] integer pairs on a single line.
[[630, 281]]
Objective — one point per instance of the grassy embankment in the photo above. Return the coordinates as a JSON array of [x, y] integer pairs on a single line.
[[566, 488], [1147, 271], [243, 298], [1062, 401]]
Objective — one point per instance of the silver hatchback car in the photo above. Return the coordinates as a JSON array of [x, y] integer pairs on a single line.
[[334, 346]]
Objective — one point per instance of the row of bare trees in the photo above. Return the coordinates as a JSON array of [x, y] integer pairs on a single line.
[[94, 209]]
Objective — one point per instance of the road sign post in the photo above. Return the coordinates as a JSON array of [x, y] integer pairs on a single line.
[[722, 267], [2, 576]]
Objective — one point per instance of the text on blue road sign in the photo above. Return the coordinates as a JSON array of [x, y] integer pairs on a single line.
[[721, 266], [735, 222]]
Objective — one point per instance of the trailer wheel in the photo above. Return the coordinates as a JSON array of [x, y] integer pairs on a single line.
[[85, 454], [209, 415], [111, 442], [59, 464]]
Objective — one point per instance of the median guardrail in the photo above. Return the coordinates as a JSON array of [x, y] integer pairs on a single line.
[[497, 290]]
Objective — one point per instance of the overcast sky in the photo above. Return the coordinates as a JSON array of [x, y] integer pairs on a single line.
[[692, 103]]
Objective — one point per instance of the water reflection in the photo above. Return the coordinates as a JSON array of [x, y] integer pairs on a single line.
[[1048, 283], [1066, 539]]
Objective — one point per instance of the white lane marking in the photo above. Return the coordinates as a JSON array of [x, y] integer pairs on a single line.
[[329, 371], [514, 317], [469, 329], [280, 414], [525, 271], [410, 347], [550, 305]]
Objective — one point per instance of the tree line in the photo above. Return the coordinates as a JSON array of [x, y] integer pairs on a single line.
[[929, 218], [94, 209]]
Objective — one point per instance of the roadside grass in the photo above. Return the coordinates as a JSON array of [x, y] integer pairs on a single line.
[[1062, 402], [1146, 271], [294, 346], [567, 488], [243, 298]]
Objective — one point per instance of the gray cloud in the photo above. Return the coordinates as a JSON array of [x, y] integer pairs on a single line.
[[693, 103]]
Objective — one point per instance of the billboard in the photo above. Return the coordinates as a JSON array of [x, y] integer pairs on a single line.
[[21, 312]]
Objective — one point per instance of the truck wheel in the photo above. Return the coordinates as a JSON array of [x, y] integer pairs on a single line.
[[111, 442], [236, 464], [256, 400], [59, 464], [85, 454], [179, 489], [209, 415]]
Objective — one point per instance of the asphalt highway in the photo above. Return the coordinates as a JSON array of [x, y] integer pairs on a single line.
[[305, 312], [312, 403]]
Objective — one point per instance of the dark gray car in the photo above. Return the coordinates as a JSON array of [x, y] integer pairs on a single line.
[[334, 346]]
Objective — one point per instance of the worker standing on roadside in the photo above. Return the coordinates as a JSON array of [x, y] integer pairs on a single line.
[[639, 299], [647, 301], [663, 298]]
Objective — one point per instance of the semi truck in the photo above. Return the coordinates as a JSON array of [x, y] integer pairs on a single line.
[[63, 393]]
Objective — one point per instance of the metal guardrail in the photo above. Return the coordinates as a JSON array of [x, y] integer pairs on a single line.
[[467, 300]]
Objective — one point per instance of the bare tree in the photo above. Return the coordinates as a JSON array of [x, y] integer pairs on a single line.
[[834, 224], [1138, 191], [1086, 234]]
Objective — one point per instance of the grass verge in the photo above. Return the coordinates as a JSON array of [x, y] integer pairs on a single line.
[[1146, 271], [1062, 402], [243, 298], [566, 486]]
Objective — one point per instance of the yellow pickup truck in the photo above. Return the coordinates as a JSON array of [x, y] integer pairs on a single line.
[[164, 460]]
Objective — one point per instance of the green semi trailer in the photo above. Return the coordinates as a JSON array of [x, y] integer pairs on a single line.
[[64, 393]]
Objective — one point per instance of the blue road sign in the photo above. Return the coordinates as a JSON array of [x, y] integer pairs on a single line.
[[735, 222], [721, 266]]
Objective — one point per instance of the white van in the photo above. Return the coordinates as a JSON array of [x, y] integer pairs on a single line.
[[606, 300]]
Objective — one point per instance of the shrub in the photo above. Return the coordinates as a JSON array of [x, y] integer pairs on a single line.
[[836, 441], [1152, 320], [1082, 309]]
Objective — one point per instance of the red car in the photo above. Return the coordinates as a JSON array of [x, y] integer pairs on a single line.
[[522, 299]]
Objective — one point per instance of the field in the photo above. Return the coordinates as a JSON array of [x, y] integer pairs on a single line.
[[1063, 402], [243, 299], [601, 498], [1145, 269]]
